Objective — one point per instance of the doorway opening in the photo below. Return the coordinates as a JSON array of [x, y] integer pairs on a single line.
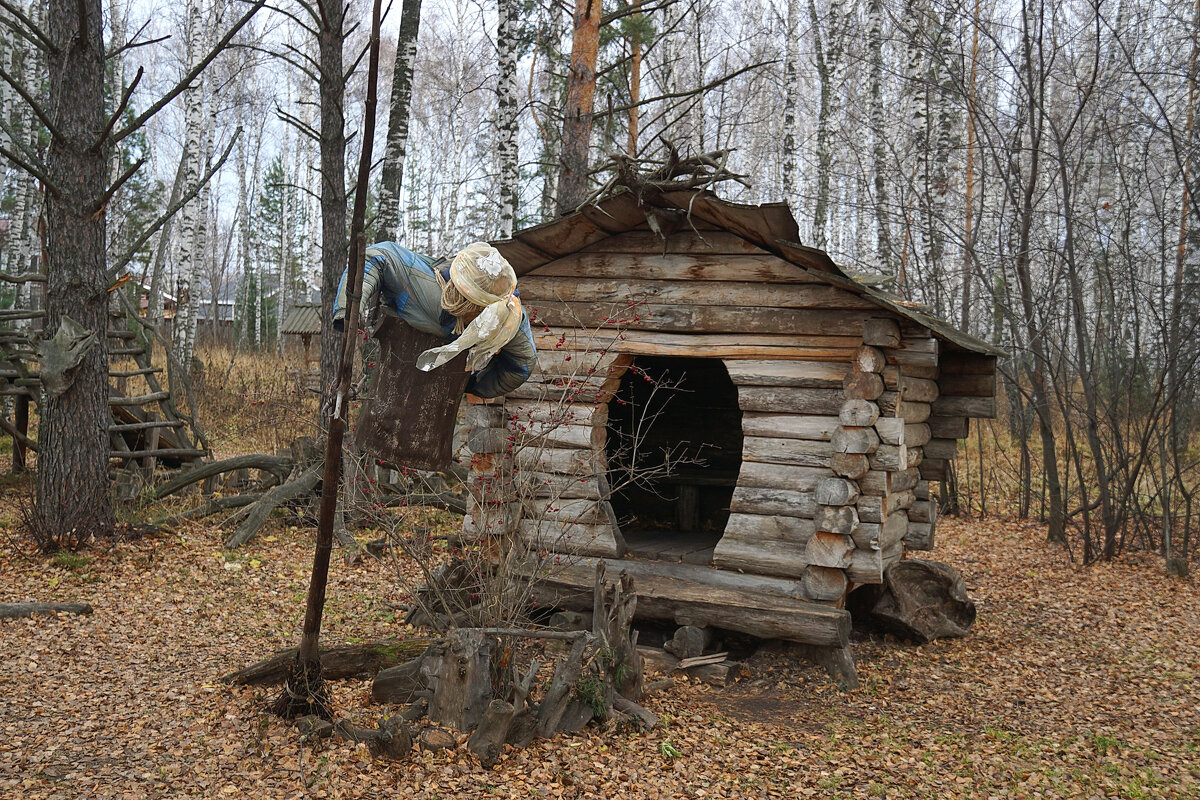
[[674, 450]]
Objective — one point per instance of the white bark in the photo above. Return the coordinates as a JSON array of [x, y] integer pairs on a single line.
[[506, 114]]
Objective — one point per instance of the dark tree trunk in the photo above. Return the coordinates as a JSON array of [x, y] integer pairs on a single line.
[[334, 247], [73, 454], [577, 121]]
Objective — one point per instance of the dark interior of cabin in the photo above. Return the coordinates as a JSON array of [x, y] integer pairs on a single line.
[[674, 451]]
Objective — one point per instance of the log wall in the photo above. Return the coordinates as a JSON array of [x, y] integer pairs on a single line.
[[847, 413]]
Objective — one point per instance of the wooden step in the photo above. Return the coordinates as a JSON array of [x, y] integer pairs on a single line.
[[129, 373], [139, 400], [141, 426], [186, 453]]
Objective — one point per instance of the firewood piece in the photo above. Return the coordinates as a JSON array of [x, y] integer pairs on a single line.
[[891, 430], [351, 661], [850, 465], [824, 583], [415, 710], [392, 741], [859, 385], [659, 685], [881, 332], [919, 600], [689, 641], [700, 661], [648, 719], [487, 742], [829, 550], [434, 739], [841, 520], [401, 683], [19, 610], [294, 487], [854, 440], [858, 413], [869, 359], [463, 679]]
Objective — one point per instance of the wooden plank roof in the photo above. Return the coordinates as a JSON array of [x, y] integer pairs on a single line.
[[303, 319], [770, 226]]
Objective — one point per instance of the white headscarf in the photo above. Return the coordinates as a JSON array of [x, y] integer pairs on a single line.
[[484, 277]]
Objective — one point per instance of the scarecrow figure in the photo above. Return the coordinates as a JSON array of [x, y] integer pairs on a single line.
[[466, 315]]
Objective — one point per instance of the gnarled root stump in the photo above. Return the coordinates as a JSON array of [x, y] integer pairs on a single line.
[[918, 600]]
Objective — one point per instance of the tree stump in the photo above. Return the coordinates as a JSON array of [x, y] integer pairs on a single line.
[[918, 600], [462, 684]]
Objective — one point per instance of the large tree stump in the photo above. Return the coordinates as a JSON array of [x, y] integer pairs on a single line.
[[918, 600], [462, 683]]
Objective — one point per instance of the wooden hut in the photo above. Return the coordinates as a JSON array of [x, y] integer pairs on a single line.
[[724, 413], [304, 320]]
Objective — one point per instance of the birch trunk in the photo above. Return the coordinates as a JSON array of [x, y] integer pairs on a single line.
[[791, 91], [188, 262], [506, 114], [387, 225], [883, 225]]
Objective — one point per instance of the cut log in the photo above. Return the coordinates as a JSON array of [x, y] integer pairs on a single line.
[[777, 476], [802, 374], [671, 595], [889, 457], [487, 742], [842, 520], [881, 333], [689, 641], [919, 536], [919, 600], [891, 430], [789, 426], [923, 511], [337, 663], [836, 492], [781, 502], [462, 686], [829, 550], [860, 385], [795, 452], [825, 583], [858, 413], [869, 359], [854, 440], [758, 557], [850, 465], [19, 610], [917, 390]]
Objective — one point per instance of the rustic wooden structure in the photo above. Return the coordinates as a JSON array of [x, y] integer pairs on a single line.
[[790, 418], [304, 320]]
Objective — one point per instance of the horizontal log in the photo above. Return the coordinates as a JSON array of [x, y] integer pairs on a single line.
[[337, 663], [762, 268], [802, 374], [763, 527], [870, 359], [933, 469], [958, 384], [867, 566], [742, 345], [780, 476], [892, 406], [825, 584], [788, 426], [829, 550], [570, 539], [816, 402], [876, 482], [557, 435], [890, 457], [854, 440], [559, 460], [537, 289], [130, 373], [686, 241], [702, 319], [842, 520], [963, 363], [917, 390], [919, 536], [849, 465], [694, 597], [488, 440], [881, 333], [917, 434], [779, 502], [139, 400], [775, 558], [942, 448], [142, 426], [794, 452], [526, 412], [949, 427], [21, 610], [573, 363], [890, 430], [929, 372], [958, 406], [578, 511], [921, 490], [875, 508], [836, 492], [545, 484], [862, 385], [923, 511], [858, 413]]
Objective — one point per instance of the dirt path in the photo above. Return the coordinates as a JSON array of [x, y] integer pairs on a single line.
[[1075, 683]]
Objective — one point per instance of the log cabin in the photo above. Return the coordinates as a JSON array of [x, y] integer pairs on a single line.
[[721, 412]]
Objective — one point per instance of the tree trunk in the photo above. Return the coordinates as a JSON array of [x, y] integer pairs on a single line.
[[883, 235], [72, 479], [387, 225], [506, 114], [334, 248], [791, 91], [577, 121]]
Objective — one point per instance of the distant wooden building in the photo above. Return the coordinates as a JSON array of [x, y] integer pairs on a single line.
[[724, 413], [304, 320]]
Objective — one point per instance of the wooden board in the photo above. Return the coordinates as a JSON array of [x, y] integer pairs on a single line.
[[813, 402], [701, 319], [778, 476], [779, 502], [537, 289], [795, 452], [803, 374], [789, 426], [758, 268]]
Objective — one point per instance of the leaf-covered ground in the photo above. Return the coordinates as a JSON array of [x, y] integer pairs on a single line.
[[1074, 683]]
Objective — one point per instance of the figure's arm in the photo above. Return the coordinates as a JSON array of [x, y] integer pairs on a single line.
[[509, 368], [389, 271]]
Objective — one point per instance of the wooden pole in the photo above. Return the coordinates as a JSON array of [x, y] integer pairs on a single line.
[[304, 692]]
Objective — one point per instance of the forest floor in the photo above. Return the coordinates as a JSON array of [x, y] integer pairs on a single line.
[[1075, 682]]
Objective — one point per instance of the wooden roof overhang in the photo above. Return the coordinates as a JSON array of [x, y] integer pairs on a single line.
[[770, 226]]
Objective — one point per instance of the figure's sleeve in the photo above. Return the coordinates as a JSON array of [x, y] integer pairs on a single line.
[[390, 275], [509, 368]]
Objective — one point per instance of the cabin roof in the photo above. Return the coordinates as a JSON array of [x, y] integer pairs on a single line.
[[770, 226], [303, 319]]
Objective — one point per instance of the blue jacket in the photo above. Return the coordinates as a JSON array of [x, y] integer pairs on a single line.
[[406, 282]]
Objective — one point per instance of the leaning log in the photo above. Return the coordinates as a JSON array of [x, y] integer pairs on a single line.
[[297, 486], [351, 661]]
